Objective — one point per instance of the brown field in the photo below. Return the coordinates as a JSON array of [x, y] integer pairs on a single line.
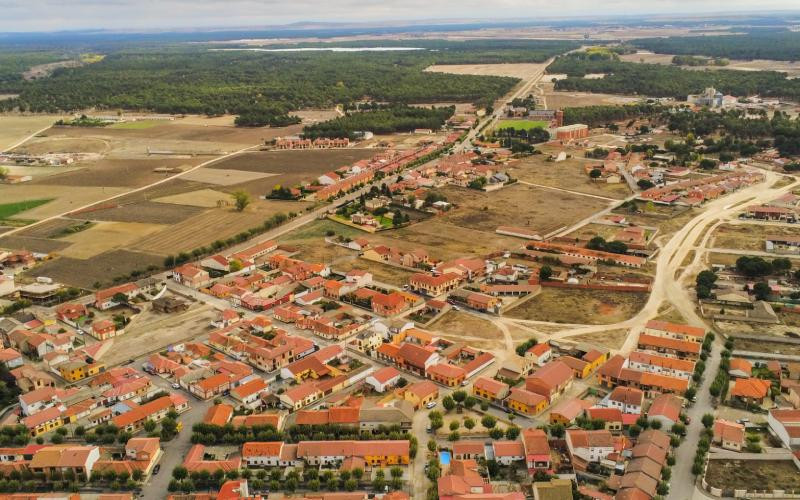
[[383, 273], [106, 236], [589, 231], [791, 68], [32, 244], [310, 116], [101, 268], [613, 339], [66, 199], [667, 219], [46, 143], [203, 198], [220, 223], [568, 174], [724, 259], [519, 205], [14, 127], [580, 306], [749, 236], [38, 173], [524, 71], [153, 331], [313, 161], [144, 212], [730, 475], [117, 173], [463, 327], [225, 177], [446, 241], [557, 99]]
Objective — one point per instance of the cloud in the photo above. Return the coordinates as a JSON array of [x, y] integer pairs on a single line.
[[47, 15]]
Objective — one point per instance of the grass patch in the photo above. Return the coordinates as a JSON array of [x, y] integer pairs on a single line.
[[521, 124], [11, 209], [137, 125]]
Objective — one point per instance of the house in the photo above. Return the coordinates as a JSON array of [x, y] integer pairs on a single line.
[[526, 402], [580, 368], [591, 446], [751, 390], [388, 304], [554, 489], [681, 349], [662, 365], [218, 415], [728, 435], [550, 380], [44, 421], [626, 399], [469, 450], [508, 452], [103, 329], [56, 460], [249, 394], [611, 416], [785, 423], [373, 453], [446, 374], [740, 368], [568, 410], [416, 359], [191, 276], [133, 420], [72, 314], [383, 379], [197, 460], [490, 389], [421, 393], [301, 395], [434, 285], [463, 481], [537, 449], [666, 408], [540, 354], [675, 331], [105, 299], [11, 358], [617, 373], [268, 454]]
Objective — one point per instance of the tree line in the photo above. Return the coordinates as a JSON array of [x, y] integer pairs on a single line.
[[781, 45], [399, 118]]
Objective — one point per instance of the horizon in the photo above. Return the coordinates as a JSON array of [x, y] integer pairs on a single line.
[[86, 16]]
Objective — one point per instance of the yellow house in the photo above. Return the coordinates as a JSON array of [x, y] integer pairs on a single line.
[[490, 389], [391, 452], [43, 421], [421, 393], [595, 358], [526, 402], [73, 371]]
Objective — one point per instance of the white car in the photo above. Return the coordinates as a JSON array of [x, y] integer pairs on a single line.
[[430, 405], [176, 386]]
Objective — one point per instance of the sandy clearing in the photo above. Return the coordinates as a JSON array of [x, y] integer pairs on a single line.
[[205, 198], [105, 236], [524, 71], [65, 198], [224, 177], [14, 128]]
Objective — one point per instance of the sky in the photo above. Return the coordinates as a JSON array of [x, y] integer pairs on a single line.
[[57, 15]]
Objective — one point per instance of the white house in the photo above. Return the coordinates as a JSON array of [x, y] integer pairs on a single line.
[[384, 378], [249, 393], [626, 399], [592, 446], [508, 452], [785, 423]]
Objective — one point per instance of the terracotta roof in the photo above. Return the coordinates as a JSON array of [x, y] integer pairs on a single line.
[[255, 386], [576, 364], [549, 376], [262, 449], [570, 408], [535, 442], [142, 412], [414, 354], [581, 438], [627, 395], [218, 414], [528, 398], [539, 349], [62, 456], [605, 414], [645, 465], [725, 430], [385, 374], [676, 328], [742, 365], [656, 437], [490, 385], [469, 447], [651, 451], [446, 370], [646, 358], [508, 448], [754, 388], [666, 405], [668, 343], [422, 389]]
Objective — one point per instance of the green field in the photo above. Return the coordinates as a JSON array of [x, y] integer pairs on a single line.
[[11, 209], [522, 124], [137, 125]]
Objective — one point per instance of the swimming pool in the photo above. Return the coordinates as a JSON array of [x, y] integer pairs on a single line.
[[444, 457]]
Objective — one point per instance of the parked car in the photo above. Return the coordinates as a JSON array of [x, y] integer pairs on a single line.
[[156, 469], [176, 386], [430, 405]]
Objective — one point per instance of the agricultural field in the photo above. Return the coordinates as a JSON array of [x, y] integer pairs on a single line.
[[104, 269], [15, 128], [106, 236], [791, 68], [569, 174], [580, 306], [542, 210], [11, 209], [557, 99], [516, 70]]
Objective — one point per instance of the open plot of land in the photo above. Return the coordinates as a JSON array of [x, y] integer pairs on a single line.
[[791, 68], [459, 326], [667, 219], [215, 224], [32, 244], [38, 172], [749, 236], [225, 177], [14, 128], [753, 475], [519, 205], [763, 346], [557, 99], [383, 273], [48, 229], [106, 236], [153, 331], [521, 70], [589, 231], [145, 212], [568, 174], [49, 142], [66, 198], [310, 116], [580, 306], [118, 173], [101, 268], [205, 198], [613, 339], [446, 241], [308, 161]]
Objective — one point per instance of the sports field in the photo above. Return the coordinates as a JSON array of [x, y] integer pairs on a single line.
[[522, 124]]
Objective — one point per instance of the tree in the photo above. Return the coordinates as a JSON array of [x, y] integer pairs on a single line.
[[179, 473], [3, 173], [469, 423], [448, 403], [708, 164], [396, 471], [459, 396], [149, 425], [595, 173], [512, 433], [454, 425], [761, 290], [488, 421], [496, 433], [645, 184], [545, 272], [241, 200], [708, 420], [557, 430]]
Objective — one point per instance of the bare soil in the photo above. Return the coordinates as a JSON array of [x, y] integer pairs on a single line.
[[101, 268], [144, 212], [580, 306], [568, 174]]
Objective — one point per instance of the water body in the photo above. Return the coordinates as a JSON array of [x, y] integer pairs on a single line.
[[331, 49]]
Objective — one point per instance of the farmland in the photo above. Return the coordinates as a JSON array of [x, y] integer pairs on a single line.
[[11, 209], [14, 128], [104, 269]]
